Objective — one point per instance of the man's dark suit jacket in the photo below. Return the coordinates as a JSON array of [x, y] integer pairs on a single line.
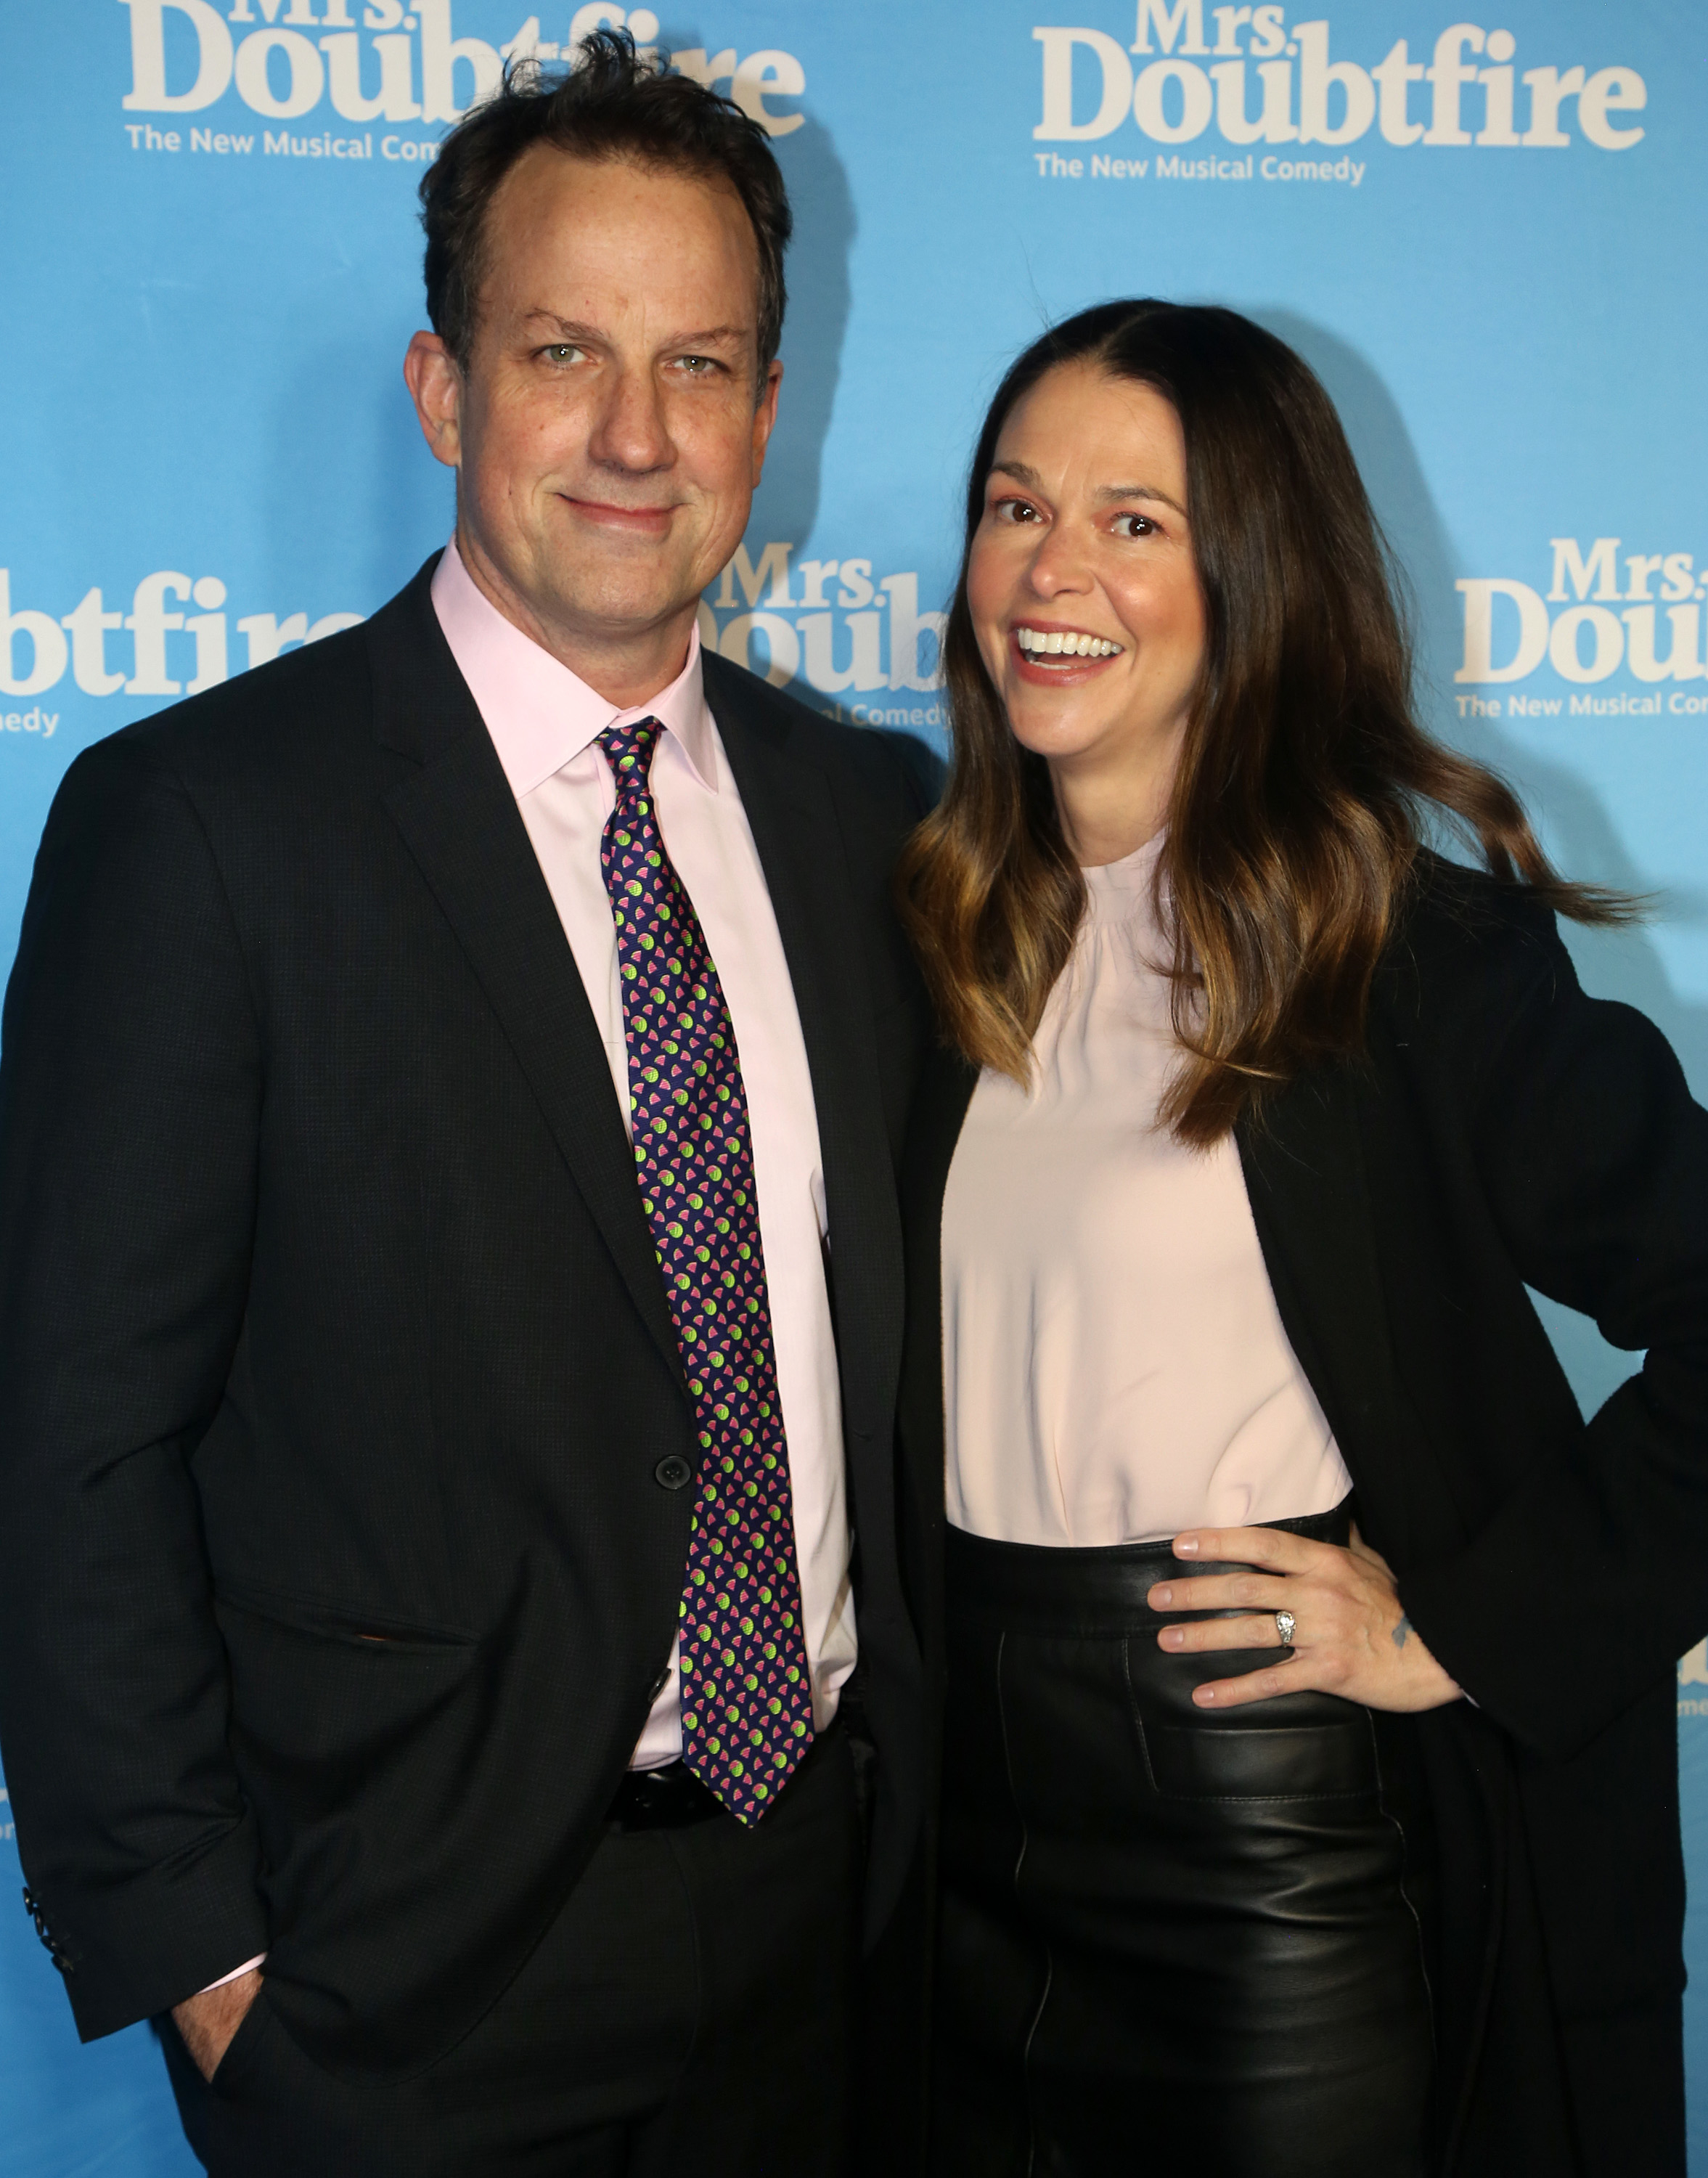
[[1502, 1129], [336, 1378]]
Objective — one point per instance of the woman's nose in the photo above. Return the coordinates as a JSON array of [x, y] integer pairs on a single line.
[[1059, 565]]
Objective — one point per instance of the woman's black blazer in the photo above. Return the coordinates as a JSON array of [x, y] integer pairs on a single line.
[[1502, 1130]]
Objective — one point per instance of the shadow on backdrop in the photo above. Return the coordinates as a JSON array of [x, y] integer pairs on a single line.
[[786, 504], [1587, 843], [371, 484]]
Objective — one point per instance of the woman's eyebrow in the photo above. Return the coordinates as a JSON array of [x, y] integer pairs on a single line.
[[1109, 492], [1106, 494]]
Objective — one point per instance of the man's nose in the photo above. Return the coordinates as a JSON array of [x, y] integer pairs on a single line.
[[630, 432]]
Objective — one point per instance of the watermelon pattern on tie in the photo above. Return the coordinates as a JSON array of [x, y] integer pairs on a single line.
[[746, 1691]]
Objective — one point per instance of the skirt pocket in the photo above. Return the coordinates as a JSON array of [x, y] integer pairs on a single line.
[[1298, 1762], [1297, 1747]]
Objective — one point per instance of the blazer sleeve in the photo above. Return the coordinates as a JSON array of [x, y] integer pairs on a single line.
[[129, 1104], [1593, 1579]]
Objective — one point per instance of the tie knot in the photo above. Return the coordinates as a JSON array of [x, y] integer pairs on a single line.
[[629, 750]]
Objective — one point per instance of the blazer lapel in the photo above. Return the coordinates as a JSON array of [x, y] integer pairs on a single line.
[[459, 820], [792, 814], [1311, 1200], [939, 1112]]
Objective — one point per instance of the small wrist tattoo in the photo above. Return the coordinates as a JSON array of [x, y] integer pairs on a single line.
[[1400, 1632]]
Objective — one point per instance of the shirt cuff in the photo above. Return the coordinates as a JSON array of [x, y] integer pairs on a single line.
[[236, 1974]]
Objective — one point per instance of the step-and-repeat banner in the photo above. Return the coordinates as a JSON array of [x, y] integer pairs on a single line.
[[1485, 236]]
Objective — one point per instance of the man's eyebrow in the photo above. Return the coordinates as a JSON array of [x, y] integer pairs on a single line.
[[571, 329], [714, 337]]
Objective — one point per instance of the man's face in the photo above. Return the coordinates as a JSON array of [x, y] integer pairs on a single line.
[[611, 424]]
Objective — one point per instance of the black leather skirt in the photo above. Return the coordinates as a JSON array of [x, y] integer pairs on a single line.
[[1170, 1941]]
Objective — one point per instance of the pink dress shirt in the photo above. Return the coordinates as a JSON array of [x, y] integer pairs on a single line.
[[544, 724], [1114, 1366]]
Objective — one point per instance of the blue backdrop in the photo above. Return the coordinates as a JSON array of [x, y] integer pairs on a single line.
[[1486, 237]]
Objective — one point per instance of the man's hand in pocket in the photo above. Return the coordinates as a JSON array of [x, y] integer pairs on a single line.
[[208, 2022]]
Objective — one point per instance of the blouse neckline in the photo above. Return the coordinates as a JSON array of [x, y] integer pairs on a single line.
[[1119, 892]]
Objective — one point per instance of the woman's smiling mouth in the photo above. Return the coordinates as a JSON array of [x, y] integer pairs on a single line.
[[1046, 655]]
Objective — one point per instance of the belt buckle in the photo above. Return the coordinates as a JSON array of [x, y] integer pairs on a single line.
[[667, 1799]]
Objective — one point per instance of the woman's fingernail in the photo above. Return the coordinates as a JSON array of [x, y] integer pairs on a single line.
[[1173, 1636], [1160, 1598], [1203, 1696], [1185, 1547]]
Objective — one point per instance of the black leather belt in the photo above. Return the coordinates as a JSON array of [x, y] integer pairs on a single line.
[[671, 1797], [668, 1798]]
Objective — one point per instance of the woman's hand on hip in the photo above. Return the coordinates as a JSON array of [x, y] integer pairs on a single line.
[[1350, 1635]]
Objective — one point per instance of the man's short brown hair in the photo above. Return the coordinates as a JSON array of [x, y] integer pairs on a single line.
[[610, 104]]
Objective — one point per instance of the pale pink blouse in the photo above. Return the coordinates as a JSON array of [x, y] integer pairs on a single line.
[[1114, 1367]]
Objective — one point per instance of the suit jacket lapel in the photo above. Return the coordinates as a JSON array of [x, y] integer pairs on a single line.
[[459, 820], [792, 814]]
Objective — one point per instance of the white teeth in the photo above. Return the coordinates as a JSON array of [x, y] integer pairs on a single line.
[[1037, 644]]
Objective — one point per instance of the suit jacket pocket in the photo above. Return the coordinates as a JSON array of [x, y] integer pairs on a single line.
[[326, 1705], [336, 1621]]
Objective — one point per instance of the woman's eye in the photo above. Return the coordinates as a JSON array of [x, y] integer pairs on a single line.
[[1015, 510], [1134, 525], [562, 352]]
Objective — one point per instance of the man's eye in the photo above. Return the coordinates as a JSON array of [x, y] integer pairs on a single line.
[[562, 352], [697, 366]]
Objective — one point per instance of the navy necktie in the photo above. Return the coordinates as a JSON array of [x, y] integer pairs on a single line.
[[746, 1690]]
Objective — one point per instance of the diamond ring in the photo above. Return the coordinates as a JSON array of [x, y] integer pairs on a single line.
[[1284, 1624]]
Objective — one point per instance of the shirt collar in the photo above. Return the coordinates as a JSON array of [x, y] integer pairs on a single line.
[[539, 714]]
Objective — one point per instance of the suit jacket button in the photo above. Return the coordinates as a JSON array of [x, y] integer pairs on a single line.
[[673, 1473]]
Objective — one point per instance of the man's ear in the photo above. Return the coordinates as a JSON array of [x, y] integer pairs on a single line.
[[764, 417], [435, 386]]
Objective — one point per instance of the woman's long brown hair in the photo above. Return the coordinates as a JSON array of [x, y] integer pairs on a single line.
[[1305, 782]]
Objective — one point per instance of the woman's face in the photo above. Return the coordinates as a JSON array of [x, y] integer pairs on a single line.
[[1084, 595]]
